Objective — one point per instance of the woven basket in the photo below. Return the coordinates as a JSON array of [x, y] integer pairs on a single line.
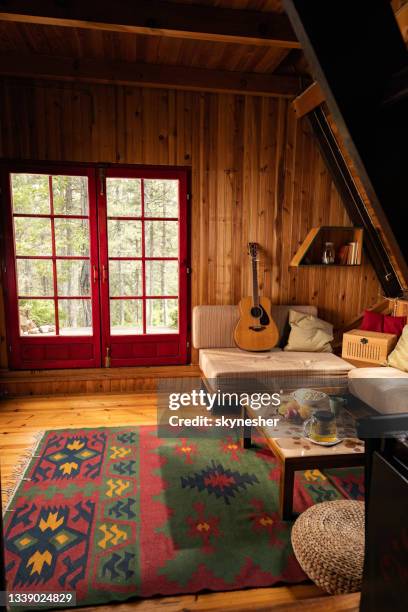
[[328, 540]]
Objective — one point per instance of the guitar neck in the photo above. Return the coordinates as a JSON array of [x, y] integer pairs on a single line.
[[255, 292]]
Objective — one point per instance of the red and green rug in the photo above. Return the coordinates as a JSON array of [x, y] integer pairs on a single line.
[[114, 513]]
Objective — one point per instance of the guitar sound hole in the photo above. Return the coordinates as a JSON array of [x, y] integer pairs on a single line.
[[256, 312]]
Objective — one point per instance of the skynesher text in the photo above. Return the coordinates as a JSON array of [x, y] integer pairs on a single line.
[[228, 422]]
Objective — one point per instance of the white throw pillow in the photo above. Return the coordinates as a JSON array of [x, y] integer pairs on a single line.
[[308, 333], [399, 356]]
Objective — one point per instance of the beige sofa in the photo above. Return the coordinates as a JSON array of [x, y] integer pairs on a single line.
[[222, 362], [385, 389]]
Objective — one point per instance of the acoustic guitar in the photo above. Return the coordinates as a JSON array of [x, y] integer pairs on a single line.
[[255, 330]]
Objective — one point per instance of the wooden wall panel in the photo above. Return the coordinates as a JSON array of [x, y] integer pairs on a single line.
[[256, 174]]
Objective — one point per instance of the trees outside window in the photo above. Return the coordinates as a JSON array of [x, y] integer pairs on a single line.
[[98, 265]]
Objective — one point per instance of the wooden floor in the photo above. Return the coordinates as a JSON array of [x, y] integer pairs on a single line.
[[22, 419]]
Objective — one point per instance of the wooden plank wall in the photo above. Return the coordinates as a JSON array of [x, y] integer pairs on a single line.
[[256, 174]]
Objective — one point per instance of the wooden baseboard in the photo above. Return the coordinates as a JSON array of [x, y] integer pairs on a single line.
[[98, 380]]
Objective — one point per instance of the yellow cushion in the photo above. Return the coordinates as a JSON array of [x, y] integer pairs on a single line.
[[308, 333], [399, 356]]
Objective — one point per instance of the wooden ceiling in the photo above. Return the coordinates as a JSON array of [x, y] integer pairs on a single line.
[[102, 45], [203, 44]]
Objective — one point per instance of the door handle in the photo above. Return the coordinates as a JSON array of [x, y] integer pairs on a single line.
[[104, 274], [95, 273], [102, 178]]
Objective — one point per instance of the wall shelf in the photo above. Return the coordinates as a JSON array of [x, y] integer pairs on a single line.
[[311, 250]]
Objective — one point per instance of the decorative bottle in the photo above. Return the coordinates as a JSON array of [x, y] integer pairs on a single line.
[[328, 253]]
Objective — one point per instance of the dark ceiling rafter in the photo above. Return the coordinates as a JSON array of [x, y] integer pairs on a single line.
[[148, 75], [354, 64], [353, 203], [158, 18], [308, 100]]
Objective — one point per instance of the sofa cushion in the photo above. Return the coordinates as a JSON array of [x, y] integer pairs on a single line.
[[308, 333], [394, 325], [384, 389], [223, 366], [213, 326], [372, 321], [399, 356]]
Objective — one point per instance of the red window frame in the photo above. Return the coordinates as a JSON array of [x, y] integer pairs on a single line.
[[59, 351], [149, 349], [146, 348]]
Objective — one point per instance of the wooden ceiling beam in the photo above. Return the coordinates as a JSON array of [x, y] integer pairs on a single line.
[[148, 75], [354, 71], [158, 18], [308, 100], [313, 96], [402, 20]]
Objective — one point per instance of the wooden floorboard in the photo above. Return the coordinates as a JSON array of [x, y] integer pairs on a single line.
[[254, 600], [21, 421]]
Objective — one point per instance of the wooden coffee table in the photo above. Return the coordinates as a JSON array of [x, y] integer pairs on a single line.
[[296, 453]]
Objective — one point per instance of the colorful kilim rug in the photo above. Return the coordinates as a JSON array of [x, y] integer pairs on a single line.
[[114, 513]]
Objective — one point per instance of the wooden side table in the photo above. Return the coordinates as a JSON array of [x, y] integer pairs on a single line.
[[301, 454], [297, 453]]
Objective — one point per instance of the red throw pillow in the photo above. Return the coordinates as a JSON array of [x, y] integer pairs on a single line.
[[372, 321], [394, 325]]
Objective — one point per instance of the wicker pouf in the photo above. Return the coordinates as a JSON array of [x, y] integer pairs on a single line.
[[328, 540]]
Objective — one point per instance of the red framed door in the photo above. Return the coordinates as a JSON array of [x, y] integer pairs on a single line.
[[51, 267], [143, 261]]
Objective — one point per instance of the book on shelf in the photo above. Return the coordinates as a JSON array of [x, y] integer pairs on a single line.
[[352, 259], [348, 254], [342, 255]]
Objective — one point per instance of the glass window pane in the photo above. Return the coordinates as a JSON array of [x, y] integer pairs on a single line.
[[72, 237], [161, 198], [70, 195], [162, 278], [30, 194], [125, 238], [126, 317], [35, 277], [161, 316], [123, 197], [75, 317], [73, 277], [32, 236], [161, 238], [125, 278], [37, 317]]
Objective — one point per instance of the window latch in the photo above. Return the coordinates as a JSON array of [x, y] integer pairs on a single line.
[[107, 357], [102, 178]]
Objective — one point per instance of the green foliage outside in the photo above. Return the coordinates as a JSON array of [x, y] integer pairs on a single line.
[[33, 237]]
